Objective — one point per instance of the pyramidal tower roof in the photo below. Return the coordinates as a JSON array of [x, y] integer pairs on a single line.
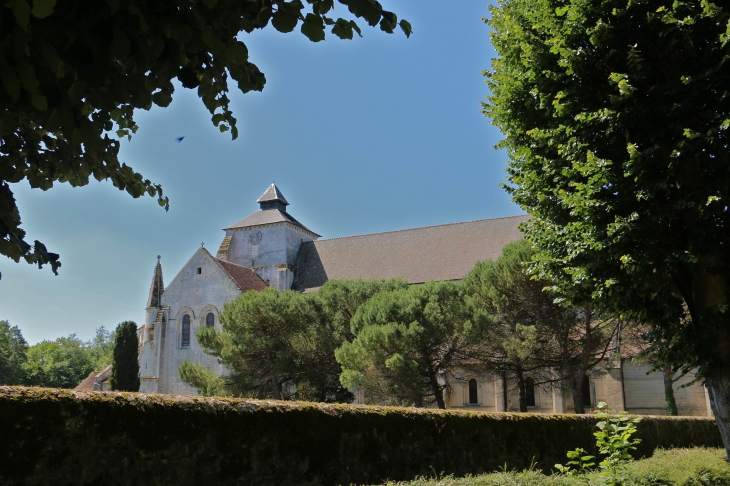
[[272, 210], [157, 286], [272, 194]]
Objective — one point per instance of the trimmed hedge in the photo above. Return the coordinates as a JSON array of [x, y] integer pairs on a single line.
[[64, 437]]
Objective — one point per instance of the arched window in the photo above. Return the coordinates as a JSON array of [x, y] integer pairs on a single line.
[[530, 392], [473, 396], [209, 320], [585, 391], [185, 341]]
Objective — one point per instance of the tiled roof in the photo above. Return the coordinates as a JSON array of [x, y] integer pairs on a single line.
[[88, 383], [272, 194], [93, 378], [243, 276], [445, 252], [268, 216]]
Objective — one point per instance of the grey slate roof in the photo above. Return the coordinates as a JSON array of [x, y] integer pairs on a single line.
[[272, 194], [268, 216], [445, 252]]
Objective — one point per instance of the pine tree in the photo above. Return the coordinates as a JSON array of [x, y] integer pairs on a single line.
[[125, 369]]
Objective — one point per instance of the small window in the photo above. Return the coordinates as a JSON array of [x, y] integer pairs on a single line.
[[473, 395], [200, 270], [209, 320], [585, 391], [530, 392], [185, 341]]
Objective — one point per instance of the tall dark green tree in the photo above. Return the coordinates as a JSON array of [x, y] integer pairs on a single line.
[[257, 343], [67, 94], [332, 308], [282, 345], [409, 339], [616, 116], [125, 368], [13, 350], [522, 330]]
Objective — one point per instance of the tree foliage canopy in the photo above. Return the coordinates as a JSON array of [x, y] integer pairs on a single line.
[[521, 329], [62, 363], [73, 72], [13, 349], [282, 344], [616, 116], [409, 338]]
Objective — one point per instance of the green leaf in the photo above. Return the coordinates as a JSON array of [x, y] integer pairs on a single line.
[[39, 101], [162, 98], [321, 7], [284, 21], [11, 83], [43, 8], [389, 21], [406, 27], [21, 10], [313, 27], [120, 46], [343, 29], [27, 76]]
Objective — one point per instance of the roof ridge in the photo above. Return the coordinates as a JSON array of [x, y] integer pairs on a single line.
[[419, 227]]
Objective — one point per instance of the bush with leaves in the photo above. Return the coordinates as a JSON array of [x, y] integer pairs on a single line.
[[613, 440]]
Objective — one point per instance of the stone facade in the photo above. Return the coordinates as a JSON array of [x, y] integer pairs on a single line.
[[199, 289], [270, 248], [624, 385]]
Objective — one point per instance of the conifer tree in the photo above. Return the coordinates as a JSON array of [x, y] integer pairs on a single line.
[[125, 369]]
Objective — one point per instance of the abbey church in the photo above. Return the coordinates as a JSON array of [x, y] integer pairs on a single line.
[[271, 248]]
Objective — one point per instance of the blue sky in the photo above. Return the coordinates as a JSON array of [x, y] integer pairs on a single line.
[[374, 134]]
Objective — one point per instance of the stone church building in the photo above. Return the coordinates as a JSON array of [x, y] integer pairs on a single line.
[[271, 248]]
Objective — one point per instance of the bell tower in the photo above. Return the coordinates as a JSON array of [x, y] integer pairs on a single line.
[[267, 241]]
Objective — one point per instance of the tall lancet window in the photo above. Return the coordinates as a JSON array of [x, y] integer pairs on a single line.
[[473, 395], [185, 341], [209, 320]]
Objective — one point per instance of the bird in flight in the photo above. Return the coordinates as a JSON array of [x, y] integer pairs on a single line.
[[179, 139]]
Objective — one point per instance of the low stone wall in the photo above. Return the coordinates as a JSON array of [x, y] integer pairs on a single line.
[[57, 437]]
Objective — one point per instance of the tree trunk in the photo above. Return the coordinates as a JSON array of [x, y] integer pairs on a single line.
[[523, 395], [505, 399], [436, 389], [709, 293], [718, 388], [274, 379], [577, 386], [669, 400]]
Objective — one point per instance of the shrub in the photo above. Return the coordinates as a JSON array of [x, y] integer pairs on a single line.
[[63, 437]]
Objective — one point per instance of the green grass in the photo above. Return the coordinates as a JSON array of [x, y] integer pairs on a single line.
[[680, 467]]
